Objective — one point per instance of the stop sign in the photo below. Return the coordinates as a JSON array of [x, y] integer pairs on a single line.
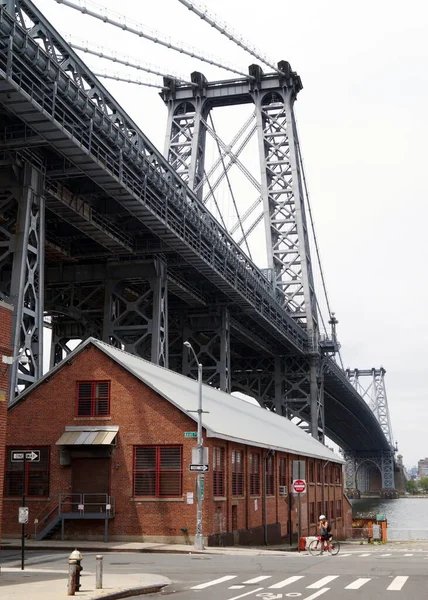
[[299, 486]]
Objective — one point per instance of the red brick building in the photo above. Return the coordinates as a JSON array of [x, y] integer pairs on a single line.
[[113, 434], [5, 350]]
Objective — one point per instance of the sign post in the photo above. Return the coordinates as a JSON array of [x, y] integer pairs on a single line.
[[298, 474], [24, 456], [24, 462], [299, 488]]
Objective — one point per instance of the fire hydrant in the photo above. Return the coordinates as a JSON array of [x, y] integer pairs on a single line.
[[75, 567]]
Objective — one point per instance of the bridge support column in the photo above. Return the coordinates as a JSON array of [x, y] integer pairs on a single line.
[[209, 335], [65, 331], [303, 393], [186, 134], [77, 313], [357, 473], [136, 314], [22, 240]]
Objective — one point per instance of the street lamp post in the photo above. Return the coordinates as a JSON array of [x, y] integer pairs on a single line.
[[199, 538]]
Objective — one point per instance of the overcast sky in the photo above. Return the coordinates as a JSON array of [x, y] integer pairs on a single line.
[[363, 127]]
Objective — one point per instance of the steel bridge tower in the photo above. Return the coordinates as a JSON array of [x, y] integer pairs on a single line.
[[298, 381], [370, 384]]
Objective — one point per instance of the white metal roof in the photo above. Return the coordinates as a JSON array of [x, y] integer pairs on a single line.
[[227, 416]]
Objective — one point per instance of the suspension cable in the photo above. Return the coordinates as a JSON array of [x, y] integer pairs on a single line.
[[230, 186], [215, 201], [312, 223], [315, 240], [121, 59], [212, 19], [141, 31], [119, 77]]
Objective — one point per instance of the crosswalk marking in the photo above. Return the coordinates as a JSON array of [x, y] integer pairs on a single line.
[[386, 555], [202, 586], [321, 582], [343, 555], [284, 582], [397, 583], [248, 594], [364, 555], [408, 555], [257, 579], [320, 585], [236, 587], [313, 596], [358, 583]]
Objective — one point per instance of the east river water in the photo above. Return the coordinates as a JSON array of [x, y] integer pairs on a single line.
[[407, 517]]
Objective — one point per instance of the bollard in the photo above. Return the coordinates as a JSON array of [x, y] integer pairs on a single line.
[[99, 572], [72, 564]]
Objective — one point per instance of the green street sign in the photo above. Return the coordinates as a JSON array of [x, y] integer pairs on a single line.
[[190, 434], [202, 487]]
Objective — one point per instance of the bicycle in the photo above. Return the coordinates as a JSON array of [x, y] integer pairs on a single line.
[[318, 546]]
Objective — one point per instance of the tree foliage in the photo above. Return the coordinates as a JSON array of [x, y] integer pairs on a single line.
[[411, 486]]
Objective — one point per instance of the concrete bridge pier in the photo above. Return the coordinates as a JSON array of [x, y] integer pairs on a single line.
[[370, 473]]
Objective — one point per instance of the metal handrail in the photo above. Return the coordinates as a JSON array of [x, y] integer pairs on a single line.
[[64, 500]]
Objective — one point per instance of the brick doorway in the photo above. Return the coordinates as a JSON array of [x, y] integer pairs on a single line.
[[91, 477]]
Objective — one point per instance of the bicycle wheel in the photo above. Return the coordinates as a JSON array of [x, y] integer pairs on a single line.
[[334, 547], [315, 547]]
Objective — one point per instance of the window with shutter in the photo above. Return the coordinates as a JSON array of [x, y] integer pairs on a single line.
[[158, 471], [218, 471], [270, 475], [237, 473], [255, 474], [93, 398]]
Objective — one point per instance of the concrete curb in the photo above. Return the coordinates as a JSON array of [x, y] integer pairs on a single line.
[[135, 591]]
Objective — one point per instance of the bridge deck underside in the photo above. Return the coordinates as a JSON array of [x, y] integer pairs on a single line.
[[110, 220]]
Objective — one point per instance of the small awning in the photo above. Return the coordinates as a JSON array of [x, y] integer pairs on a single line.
[[88, 436]]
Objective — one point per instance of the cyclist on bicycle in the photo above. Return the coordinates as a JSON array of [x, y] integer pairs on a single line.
[[325, 529]]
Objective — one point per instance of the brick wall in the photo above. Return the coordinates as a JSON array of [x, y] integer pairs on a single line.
[[5, 349], [143, 418]]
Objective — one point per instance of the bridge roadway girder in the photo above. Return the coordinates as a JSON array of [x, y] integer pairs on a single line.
[[94, 143], [129, 168]]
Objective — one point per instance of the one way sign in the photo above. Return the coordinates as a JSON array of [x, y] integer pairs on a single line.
[[199, 468], [30, 455]]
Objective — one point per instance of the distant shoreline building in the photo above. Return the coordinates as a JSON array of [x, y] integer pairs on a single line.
[[423, 467]]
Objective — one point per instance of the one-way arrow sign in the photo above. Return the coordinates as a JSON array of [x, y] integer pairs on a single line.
[[199, 468], [30, 455]]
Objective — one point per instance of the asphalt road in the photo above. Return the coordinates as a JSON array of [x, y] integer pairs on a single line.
[[371, 575]]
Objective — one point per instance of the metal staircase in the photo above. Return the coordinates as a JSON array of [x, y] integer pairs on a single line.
[[65, 507]]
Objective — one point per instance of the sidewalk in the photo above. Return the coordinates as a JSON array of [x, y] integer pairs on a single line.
[[45, 584], [101, 547]]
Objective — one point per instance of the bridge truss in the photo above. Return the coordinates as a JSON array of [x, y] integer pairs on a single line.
[[102, 236]]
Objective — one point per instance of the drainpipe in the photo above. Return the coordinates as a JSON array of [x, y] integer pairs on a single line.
[[269, 452]]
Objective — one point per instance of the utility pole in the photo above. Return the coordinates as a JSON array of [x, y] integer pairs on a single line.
[[199, 538]]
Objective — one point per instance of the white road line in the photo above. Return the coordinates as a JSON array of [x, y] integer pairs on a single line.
[[236, 587], [246, 594], [257, 579], [318, 584], [284, 582], [358, 583], [364, 555], [397, 583], [342, 555], [202, 586], [408, 555], [386, 554], [313, 596]]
